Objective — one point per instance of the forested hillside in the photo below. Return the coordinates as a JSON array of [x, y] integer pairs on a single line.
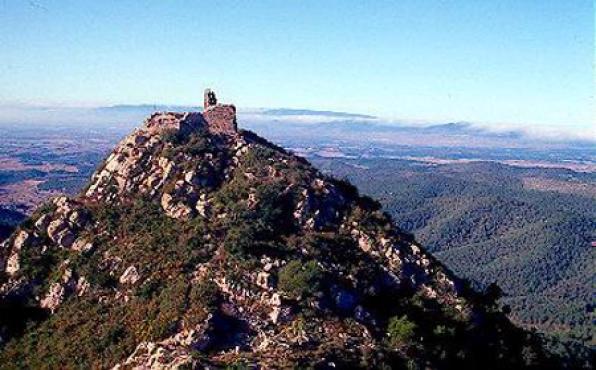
[[481, 221]]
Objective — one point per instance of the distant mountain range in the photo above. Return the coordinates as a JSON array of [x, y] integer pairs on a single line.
[[304, 123], [146, 108], [310, 112]]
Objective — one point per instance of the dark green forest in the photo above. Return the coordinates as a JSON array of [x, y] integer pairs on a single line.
[[480, 220]]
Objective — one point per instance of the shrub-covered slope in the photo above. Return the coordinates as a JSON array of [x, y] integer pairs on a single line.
[[191, 248]]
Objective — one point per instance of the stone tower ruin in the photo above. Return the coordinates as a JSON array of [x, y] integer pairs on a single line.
[[220, 118]]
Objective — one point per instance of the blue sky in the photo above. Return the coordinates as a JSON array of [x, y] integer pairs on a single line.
[[528, 62]]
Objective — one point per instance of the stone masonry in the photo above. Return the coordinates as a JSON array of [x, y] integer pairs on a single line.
[[221, 118], [216, 118]]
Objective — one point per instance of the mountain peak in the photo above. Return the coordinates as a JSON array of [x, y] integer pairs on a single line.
[[199, 245]]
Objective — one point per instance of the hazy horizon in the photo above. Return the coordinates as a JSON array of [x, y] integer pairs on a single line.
[[507, 64], [133, 114]]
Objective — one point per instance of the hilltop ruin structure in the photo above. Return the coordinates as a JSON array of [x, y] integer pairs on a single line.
[[221, 118], [216, 118]]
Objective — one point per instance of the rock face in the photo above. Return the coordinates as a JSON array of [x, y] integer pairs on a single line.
[[197, 245]]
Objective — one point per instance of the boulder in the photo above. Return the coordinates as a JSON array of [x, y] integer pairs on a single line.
[[13, 264], [274, 314], [191, 178], [43, 222], [82, 286], [81, 245], [203, 206], [166, 201], [365, 242], [54, 297], [180, 211], [130, 276], [264, 280], [20, 241], [55, 228]]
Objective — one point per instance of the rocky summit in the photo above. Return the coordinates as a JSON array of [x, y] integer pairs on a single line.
[[198, 245]]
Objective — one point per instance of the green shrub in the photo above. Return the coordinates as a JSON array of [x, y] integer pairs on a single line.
[[298, 279], [204, 293], [44, 209], [197, 252], [442, 331], [238, 366], [240, 240], [39, 266], [171, 306], [112, 337], [203, 299], [171, 136], [107, 216], [400, 330], [197, 144], [194, 144], [102, 279], [147, 290]]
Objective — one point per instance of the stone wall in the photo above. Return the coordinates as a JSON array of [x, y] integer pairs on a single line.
[[182, 122], [216, 118], [221, 119]]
